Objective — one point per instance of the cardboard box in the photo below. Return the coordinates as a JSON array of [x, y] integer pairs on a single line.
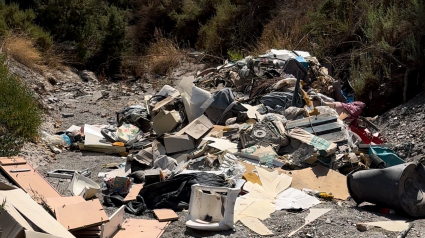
[[177, 143], [165, 122], [197, 128]]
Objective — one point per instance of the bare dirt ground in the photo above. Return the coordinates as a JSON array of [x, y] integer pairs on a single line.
[[339, 222]]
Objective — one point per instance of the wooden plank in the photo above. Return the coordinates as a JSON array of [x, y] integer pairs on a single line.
[[12, 161], [134, 191], [33, 234], [52, 203], [114, 224], [324, 129], [315, 121], [33, 212], [141, 228], [81, 215], [31, 182], [166, 215]]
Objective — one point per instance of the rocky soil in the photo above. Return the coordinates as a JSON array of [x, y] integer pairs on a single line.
[[94, 103]]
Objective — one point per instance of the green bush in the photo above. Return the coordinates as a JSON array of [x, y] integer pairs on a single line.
[[97, 28], [16, 21], [20, 114], [215, 26]]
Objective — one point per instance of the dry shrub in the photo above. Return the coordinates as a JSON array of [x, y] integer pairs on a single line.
[[163, 55], [285, 30], [22, 50]]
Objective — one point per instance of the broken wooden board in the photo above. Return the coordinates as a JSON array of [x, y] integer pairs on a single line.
[[34, 234], [165, 215], [30, 181], [134, 191], [106, 150], [315, 121], [321, 179], [12, 160], [81, 215], [53, 203], [140, 228], [164, 102], [33, 212], [114, 224], [394, 226]]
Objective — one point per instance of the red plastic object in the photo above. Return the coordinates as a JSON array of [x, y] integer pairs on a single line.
[[367, 136]]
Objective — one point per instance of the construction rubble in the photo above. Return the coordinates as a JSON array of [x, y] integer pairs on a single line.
[[230, 144]]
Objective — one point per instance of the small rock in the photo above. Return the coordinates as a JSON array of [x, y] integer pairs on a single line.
[[67, 114], [52, 99], [328, 221], [103, 114]]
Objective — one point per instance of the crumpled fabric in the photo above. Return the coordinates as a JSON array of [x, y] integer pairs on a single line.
[[354, 108], [136, 115], [133, 207], [175, 192]]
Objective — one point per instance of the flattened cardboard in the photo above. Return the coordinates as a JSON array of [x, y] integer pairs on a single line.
[[30, 181], [174, 143], [166, 215], [165, 122], [197, 127], [256, 226], [321, 179], [134, 191], [33, 212], [222, 144], [12, 161], [81, 215], [52, 203], [115, 222]]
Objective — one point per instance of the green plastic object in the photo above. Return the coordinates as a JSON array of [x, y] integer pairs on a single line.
[[387, 155]]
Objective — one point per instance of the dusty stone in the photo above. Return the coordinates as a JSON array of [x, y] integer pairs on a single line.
[[67, 114]]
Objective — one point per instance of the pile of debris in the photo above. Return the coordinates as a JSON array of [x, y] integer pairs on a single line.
[[232, 143]]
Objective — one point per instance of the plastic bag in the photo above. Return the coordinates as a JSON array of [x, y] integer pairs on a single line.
[[325, 110], [195, 100], [55, 140], [270, 117]]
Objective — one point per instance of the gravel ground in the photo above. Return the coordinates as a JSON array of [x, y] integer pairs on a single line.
[[339, 222]]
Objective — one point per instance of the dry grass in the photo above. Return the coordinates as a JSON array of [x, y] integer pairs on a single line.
[[285, 30], [22, 50], [163, 55]]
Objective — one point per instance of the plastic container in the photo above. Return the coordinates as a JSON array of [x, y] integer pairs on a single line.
[[387, 155]]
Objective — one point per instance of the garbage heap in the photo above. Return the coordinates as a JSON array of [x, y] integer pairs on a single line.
[[242, 140]]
